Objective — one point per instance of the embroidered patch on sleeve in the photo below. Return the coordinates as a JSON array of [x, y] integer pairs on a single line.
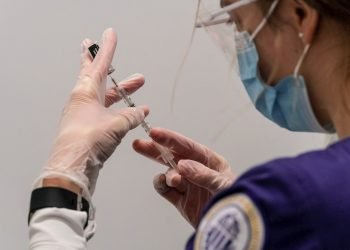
[[234, 223]]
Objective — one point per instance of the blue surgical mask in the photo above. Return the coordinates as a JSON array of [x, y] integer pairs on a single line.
[[286, 103]]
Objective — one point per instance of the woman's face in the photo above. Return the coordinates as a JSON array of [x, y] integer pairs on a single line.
[[278, 44]]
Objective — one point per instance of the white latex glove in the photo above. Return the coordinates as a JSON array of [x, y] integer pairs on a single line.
[[89, 130], [200, 173]]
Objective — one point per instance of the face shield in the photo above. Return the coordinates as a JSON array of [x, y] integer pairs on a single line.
[[222, 26], [219, 25]]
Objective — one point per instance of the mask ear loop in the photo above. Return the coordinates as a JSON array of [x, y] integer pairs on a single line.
[[297, 69], [264, 21], [301, 60]]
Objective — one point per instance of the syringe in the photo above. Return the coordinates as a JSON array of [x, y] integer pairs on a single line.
[[165, 153]]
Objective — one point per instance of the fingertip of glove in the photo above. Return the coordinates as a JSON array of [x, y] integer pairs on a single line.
[[109, 33], [156, 134], [145, 110], [136, 145], [86, 43], [159, 183]]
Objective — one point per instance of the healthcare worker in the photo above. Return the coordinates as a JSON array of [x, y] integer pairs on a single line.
[[293, 58]]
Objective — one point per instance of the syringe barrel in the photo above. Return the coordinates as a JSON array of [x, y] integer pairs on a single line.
[[146, 127], [166, 155]]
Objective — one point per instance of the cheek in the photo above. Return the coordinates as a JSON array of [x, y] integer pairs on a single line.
[[278, 54]]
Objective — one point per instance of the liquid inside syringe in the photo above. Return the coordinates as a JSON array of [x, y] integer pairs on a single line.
[[165, 153]]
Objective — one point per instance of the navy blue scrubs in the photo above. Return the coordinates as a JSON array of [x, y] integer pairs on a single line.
[[291, 203]]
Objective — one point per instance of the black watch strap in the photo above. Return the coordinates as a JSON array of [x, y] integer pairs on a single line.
[[57, 197]]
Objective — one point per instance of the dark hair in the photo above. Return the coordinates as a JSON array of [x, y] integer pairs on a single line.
[[338, 10]]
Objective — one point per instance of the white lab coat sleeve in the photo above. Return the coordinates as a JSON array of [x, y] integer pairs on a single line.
[[57, 229]]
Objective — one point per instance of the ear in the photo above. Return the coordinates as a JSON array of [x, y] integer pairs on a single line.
[[306, 20]]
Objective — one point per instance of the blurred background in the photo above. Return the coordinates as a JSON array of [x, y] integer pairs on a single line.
[[40, 53]]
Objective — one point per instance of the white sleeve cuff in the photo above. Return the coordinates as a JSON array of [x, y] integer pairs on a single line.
[[59, 228]]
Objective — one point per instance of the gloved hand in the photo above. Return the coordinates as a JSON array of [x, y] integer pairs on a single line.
[[89, 130], [200, 173]]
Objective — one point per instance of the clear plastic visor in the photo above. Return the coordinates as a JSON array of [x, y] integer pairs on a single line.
[[220, 25]]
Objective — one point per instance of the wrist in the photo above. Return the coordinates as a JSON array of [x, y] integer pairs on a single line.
[[62, 183]]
